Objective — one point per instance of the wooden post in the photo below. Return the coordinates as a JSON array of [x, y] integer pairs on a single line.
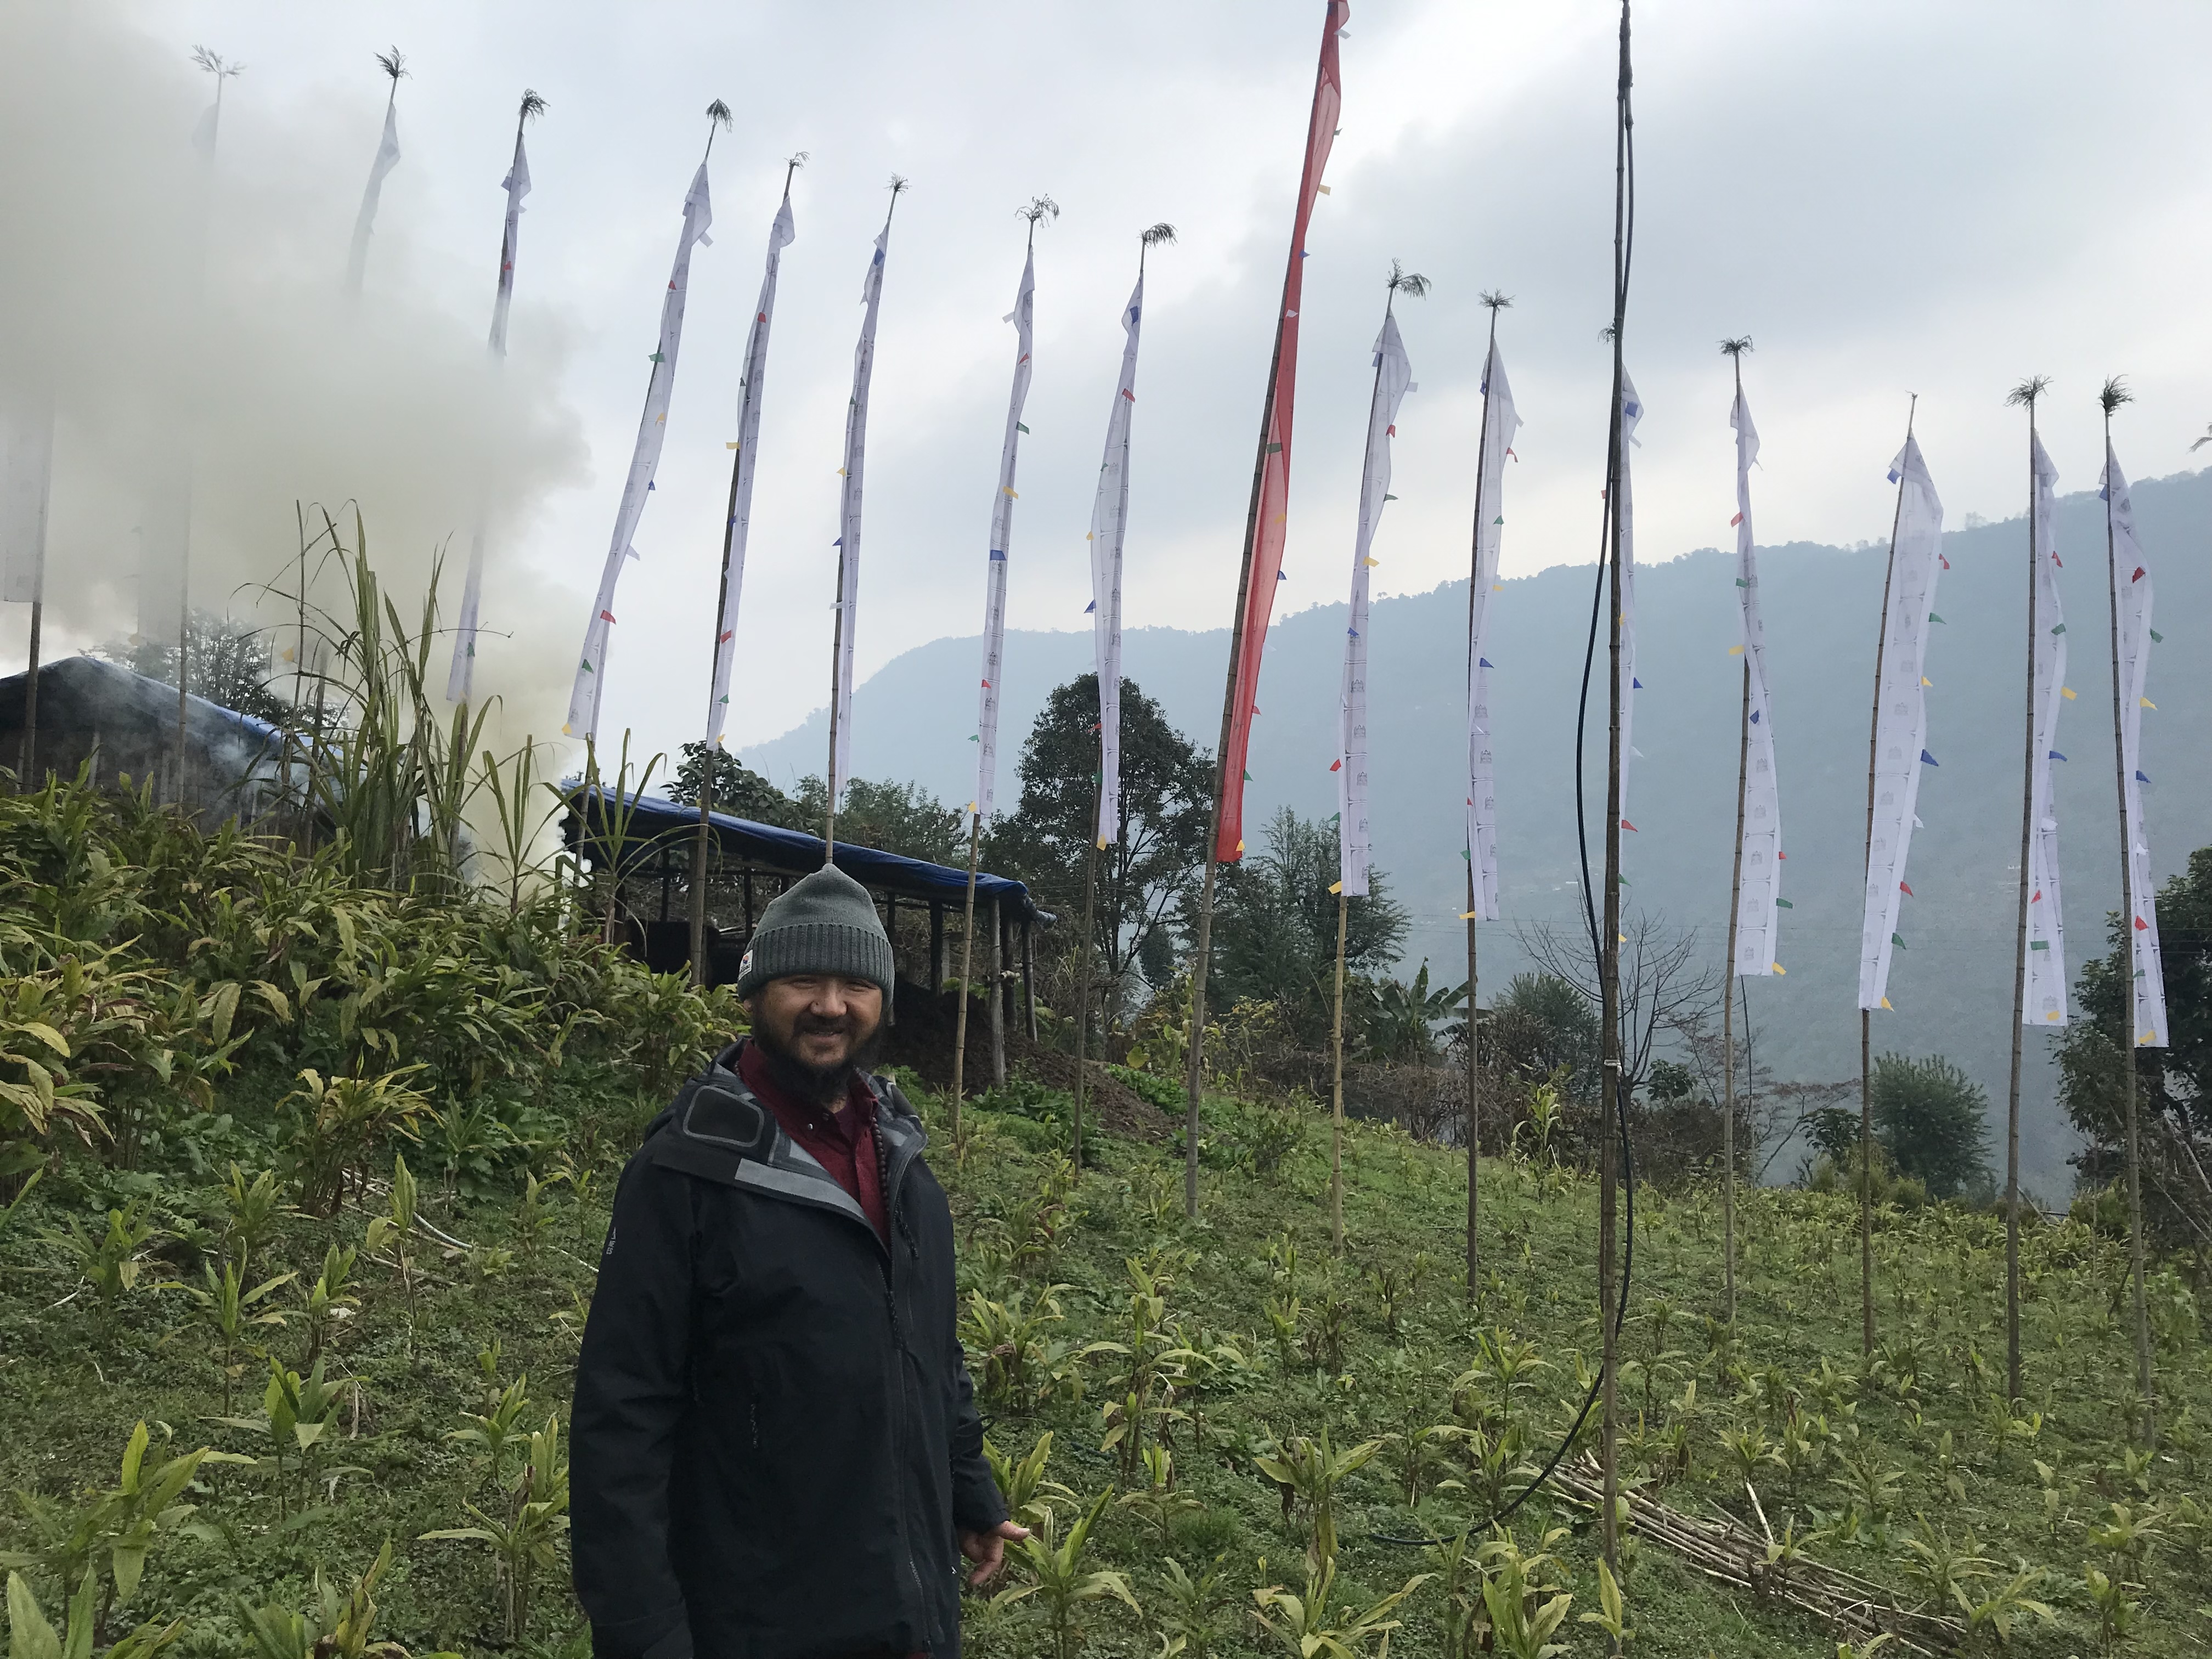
[[967, 972], [997, 998], [1029, 977], [1336, 1086], [2026, 393], [2113, 396], [1736, 349], [1866, 1016], [1614, 1107], [1082, 948]]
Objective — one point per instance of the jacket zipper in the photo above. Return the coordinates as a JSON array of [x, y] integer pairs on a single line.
[[898, 1356]]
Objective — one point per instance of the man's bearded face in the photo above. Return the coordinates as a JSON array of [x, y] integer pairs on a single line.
[[817, 1030]]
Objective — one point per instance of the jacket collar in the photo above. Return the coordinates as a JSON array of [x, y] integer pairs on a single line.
[[722, 1113]]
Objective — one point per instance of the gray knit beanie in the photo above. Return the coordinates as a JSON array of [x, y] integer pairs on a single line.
[[824, 923]]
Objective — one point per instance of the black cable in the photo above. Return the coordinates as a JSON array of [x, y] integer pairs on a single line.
[[1626, 140]]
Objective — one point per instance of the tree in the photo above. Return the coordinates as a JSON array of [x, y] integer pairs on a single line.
[[1669, 993], [1541, 1026], [2173, 1084], [738, 790], [892, 818], [1274, 927], [1931, 1119], [1397, 1022], [1160, 824], [229, 663]]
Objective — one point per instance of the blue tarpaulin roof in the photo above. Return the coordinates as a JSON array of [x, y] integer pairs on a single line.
[[659, 822]]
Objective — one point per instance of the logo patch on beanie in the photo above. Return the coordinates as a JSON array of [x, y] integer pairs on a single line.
[[745, 963]]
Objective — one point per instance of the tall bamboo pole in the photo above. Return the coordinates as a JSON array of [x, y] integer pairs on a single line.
[[2026, 393], [2113, 393], [1734, 349], [1609, 945], [1866, 1016], [1495, 302], [837, 636], [1092, 845], [1336, 1086], [1202, 946], [967, 968], [710, 758]]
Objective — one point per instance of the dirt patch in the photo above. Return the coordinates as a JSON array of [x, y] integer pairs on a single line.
[[922, 1040]]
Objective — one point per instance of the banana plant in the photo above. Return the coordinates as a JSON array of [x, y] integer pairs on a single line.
[[231, 1310], [398, 1229], [30, 1637], [251, 1211], [1185, 1612], [116, 1526], [1311, 1627], [296, 1413], [1157, 1500], [339, 1624], [113, 1260], [523, 1539], [1612, 1616], [498, 1426], [329, 1302], [1307, 1473], [1058, 1577], [1029, 1495]]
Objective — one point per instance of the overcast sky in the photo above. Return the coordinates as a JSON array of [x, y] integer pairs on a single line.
[[1888, 198]]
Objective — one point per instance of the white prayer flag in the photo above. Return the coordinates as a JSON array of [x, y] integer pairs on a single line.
[[739, 529], [1499, 421], [1110, 523], [460, 678], [1756, 912], [1632, 411], [388, 157], [2044, 1003], [2131, 578], [590, 686], [1023, 317], [848, 540], [517, 186], [26, 454], [1354, 841], [1901, 716]]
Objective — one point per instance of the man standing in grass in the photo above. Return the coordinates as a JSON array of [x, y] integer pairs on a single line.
[[776, 1451]]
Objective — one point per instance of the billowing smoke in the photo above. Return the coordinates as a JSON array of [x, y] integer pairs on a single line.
[[191, 325]]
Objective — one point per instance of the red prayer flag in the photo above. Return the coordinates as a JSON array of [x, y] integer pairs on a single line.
[[1263, 551]]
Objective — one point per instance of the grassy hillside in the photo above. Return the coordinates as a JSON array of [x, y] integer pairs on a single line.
[[1096, 1315]]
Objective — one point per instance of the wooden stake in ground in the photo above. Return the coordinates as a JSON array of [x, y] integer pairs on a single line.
[[1336, 1086], [1023, 317], [842, 634], [1109, 525], [1354, 837], [2022, 396], [967, 969], [721, 658], [1476, 599], [2110, 396], [1734, 349], [1613, 1107], [1866, 1016], [1263, 556]]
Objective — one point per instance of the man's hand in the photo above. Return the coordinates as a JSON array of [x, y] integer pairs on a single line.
[[988, 1550]]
